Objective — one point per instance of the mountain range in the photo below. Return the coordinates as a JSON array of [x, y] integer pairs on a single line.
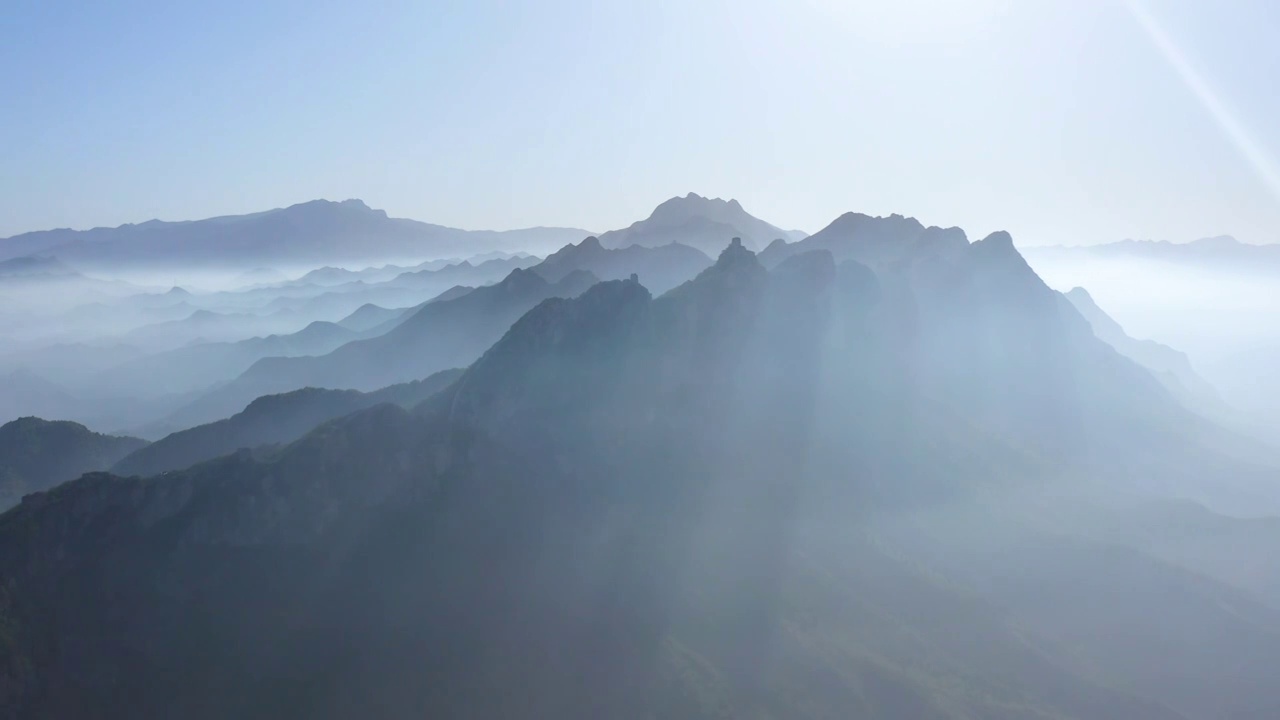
[[880, 472], [312, 233], [437, 336], [660, 267], [1223, 253], [269, 420]]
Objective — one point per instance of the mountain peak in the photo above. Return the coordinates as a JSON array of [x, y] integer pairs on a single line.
[[735, 254], [695, 205], [700, 222], [1000, 239], [1080, 294], [522, 280], [351, 207], [1218, 241], [777, 246]]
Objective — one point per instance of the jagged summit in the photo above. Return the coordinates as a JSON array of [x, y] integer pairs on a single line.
[[693, 204], [701, 222], [659, 268], [352, 206], [874, 241], [997, 243], [521, 280], [1000, 238]]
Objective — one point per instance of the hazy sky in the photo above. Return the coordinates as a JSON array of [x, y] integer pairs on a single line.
[[1059, 120]]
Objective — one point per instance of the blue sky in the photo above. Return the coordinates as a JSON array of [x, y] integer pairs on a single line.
[[1061, 121]]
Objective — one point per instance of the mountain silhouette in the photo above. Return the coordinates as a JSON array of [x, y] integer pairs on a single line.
[[658, 268], [872, 241], [1171, 367], [706, 224], [315, 233], [269, 420], [369, 316], [1222, 253], [33, 266], [438, 336]]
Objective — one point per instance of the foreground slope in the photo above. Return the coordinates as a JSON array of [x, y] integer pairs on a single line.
[[737, 499]]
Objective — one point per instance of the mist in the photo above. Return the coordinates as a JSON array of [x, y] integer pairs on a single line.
[[1221, 314]]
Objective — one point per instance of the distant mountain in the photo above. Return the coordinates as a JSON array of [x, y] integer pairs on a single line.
[[1222, 252], [659, 268], [270, 420], [198, 366], [368, 316], [38, 454], [338, 276], [878, 242], [1171, 367], [44, 283], [311, 233], [706, 224], [23, 392], [209, 326], [452, 293], [172, 296], [466, 272], [408, 288], [438, 336], [29, 266]]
